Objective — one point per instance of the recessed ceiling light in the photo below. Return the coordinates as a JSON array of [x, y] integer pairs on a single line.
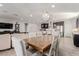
[[53, 6], [1, 5], [31, 15]]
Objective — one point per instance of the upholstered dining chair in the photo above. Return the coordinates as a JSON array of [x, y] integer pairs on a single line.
[[38, 34], [20, 48], [53, 50]]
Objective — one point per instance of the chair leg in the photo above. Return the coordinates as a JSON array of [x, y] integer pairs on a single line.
[[27, 47], [54, 53], [57, 52]]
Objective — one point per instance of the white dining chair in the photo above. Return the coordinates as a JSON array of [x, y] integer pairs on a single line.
[[53, 50], [38, 34], [32, 34], [20, 48]]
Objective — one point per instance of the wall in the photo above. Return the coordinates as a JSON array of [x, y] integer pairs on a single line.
[[22, 25], [33, 27], [69, 25]]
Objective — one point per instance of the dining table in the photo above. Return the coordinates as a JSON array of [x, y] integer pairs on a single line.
[[40, 43]]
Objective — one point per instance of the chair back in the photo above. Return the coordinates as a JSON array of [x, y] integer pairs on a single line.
[[54, 44], [19, 46]]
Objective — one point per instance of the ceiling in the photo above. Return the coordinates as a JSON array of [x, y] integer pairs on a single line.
[[22, 11]]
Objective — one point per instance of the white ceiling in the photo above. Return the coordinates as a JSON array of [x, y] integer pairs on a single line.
[[22, 11]]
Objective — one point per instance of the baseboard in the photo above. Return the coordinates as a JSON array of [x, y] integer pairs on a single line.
[[5, 49]]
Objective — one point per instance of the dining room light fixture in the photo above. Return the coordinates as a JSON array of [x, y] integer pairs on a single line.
[[45, 16]]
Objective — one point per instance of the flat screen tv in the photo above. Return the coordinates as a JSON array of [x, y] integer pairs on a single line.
[[44, 25], [6, 25]]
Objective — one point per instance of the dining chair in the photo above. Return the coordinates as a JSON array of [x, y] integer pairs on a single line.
[[20, 48], [38, 34], [53, 50], [32, 34]]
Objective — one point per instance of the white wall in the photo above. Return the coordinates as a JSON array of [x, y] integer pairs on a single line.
[[69, 25], [33, 27], [22, 25]]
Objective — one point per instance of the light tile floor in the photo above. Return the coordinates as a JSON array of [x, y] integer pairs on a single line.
[[11, 52], [66, 48]]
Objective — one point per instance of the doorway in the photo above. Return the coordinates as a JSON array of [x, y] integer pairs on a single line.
[[26, 27], [60, 26]]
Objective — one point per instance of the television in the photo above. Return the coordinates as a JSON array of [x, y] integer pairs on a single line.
[[6, 25], [44, 25]]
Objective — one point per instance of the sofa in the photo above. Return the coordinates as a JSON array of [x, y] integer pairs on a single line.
[[5, 41]]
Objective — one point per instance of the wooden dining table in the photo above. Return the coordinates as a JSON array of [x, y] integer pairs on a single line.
[[40, 43]]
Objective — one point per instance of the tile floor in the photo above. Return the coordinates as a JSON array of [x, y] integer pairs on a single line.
[[66, 48]]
